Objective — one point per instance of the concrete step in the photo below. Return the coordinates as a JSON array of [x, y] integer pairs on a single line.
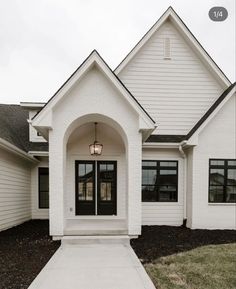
[[88, 240], [94, 232]]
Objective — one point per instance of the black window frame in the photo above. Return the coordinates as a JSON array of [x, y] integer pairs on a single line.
[[225, 167], [42, 171], [158, 168]]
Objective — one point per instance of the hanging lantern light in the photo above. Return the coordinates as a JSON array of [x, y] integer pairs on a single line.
[[96, 147]]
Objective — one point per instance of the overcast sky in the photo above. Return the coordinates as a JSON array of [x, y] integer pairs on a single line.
[[43, 41]]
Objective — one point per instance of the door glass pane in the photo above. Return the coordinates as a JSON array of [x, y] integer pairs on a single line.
[[216, 194], [107, 181], [231, 163], [86, 182], [149, 164], [216, 176]]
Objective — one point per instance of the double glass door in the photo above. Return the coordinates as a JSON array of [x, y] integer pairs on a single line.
[[96, 187]]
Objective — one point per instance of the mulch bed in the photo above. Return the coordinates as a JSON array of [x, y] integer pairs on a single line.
[[24, 251], [159, 241]]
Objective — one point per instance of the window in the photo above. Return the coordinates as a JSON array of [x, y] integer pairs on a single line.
[[43, 188], [222, 181], [159, 181]]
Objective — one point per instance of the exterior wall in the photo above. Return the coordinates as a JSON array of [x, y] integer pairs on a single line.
[[217, 140], [15, 199], [93, 98], [35, 211], [165, 213], [176, 91]]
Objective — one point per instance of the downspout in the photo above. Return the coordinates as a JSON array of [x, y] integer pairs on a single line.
[[181, 145]]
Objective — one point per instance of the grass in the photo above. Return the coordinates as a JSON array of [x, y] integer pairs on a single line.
[[207, 267]]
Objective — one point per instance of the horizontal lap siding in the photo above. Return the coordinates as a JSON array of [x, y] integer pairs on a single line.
[[15, 199], [155, 213], [177, 91]]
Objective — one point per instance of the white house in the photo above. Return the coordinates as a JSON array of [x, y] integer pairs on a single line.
[[165, 123]]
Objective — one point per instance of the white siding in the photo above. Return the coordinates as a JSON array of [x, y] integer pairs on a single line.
[[15, 201], [176, 91], [217, 140], [155, 213], [37, 213]]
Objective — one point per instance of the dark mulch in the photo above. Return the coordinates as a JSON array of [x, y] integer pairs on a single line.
[[24, 250], [159, 241]]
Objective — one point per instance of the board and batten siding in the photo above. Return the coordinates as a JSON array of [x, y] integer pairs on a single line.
[[175, 91], [165, 213], [15, 198], [37, 213]]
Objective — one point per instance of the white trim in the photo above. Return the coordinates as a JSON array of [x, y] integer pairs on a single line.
[[38, 153], [175, 19], [222, 204], [169, 145], [12, 148], [32, 104]]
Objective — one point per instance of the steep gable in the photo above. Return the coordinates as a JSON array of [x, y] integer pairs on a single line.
[[170, 79]]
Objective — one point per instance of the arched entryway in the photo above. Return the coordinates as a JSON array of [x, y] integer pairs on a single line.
[[96, 185]]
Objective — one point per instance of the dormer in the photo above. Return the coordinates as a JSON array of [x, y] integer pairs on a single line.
[[33, 108]]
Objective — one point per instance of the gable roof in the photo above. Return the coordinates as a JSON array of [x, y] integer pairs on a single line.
[[171, 15], [14, 128], [95, 58], [211, 110]]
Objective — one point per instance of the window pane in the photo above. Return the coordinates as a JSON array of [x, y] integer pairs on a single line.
[[231, 177], [167, 193], [149, 164], [44, 199], [168, 180], [232, 163], [231, 194], [105, 189], [217, 162], [216, 176], [103, 167], [43, 179], [168, 164], [149, 194], [89, 168], [216, 194], [148, 177], [110, 167], [168, 172]]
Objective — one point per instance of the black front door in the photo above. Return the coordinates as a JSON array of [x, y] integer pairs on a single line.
[[96, 187]]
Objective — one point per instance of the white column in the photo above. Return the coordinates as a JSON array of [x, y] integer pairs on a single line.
[[56, 185], [134, 159]]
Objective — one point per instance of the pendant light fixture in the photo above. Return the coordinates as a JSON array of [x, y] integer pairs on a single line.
[[96, 147]]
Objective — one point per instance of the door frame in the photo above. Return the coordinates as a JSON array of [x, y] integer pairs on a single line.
[[95, 191]]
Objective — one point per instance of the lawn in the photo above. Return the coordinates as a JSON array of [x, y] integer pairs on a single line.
[[207, 267], [180, 258]]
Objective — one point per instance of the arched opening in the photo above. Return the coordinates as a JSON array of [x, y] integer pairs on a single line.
[[95, 186]]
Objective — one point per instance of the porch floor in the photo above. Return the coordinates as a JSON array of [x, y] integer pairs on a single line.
[[93, 266]]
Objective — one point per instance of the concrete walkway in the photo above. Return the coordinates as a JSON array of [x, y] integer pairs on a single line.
[[93, 265]]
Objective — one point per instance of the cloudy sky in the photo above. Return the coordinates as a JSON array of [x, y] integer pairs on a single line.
[[43, 41]]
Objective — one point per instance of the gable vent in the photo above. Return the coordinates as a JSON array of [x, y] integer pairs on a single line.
[[167, 48]]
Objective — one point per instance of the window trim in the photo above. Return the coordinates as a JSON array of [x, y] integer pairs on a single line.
[[39, 191], [158, 173], [225, 167]]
